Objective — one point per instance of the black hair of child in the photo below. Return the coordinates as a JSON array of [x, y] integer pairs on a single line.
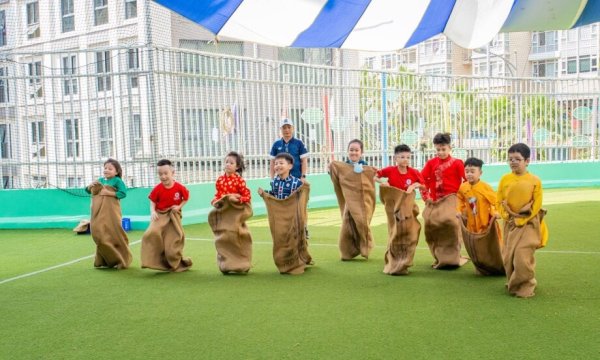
[[164, 162], [117, 166], [442, 139], [357, 141], [239, 161], [285, 156], [475, 162], [520, 148], [401, 148]]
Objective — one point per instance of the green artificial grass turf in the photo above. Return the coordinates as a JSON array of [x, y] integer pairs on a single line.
[[335, 310]]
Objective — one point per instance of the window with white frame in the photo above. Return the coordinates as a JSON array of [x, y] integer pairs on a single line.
[[408, 56], [223, 67], [544, 41], [33, 19], [588, 63], [7, 182], [103, 67], [4, 92], [388, 61], [196, 135], [35, 79], [2, 28], [583, 64], [370, 62], [135, 134], [5, 148], [480, 69], [569, 36], [38, 138], [100, 12], [133, 64], [548, 68], [191, 134], [588, 32], [72, 137], [69, 69], [570, 66], [105, 134], [74, 182], [38, 181], [67, 10], [130, 9]]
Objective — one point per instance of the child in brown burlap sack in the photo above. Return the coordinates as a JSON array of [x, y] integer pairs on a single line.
[[228, 218], [112, 244], [520, 205], [163, 241], [443, 175], [398, 196], [355, 192], [476, 207], [286, 204]]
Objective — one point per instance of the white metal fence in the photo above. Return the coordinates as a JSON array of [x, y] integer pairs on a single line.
[[63, 113]]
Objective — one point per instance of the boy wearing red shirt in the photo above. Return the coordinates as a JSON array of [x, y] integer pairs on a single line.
[[400, 176], [162, 243], [443, 176]]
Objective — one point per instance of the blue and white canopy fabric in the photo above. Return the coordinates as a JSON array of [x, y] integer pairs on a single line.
[[380, 25]]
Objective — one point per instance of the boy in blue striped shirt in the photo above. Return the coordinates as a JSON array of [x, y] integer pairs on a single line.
[[283, 184]]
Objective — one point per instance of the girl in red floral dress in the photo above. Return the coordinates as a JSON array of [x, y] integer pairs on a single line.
[[231, 183]]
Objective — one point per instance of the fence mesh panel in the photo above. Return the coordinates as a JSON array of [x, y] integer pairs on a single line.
[[63, 113]]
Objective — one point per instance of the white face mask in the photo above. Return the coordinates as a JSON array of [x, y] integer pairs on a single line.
[[358, 168]]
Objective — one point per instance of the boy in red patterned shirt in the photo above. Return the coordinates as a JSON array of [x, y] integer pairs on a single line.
[[231, 183], [443, 174]]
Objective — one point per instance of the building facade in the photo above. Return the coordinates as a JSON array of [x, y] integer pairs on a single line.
[[82, 81]]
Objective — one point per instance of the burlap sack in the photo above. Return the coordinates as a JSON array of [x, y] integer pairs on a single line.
[[112, 244], [356, 198], [442, 233], [520, 243], [484, 249], [233, 240], [403, 229], [287, 222], [162, 244]]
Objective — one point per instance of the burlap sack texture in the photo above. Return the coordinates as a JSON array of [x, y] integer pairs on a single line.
[[520, 243], [233, 240], [356, 198], [287, 222], [112, 244], [162, 244], [442, 233], [403, 229], [484, 249]]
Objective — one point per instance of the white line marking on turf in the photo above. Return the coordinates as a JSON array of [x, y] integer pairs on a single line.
[[259, 243], [54, 267], [418, 248]]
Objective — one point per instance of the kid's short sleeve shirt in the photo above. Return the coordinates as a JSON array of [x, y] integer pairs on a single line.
[[165, 198]]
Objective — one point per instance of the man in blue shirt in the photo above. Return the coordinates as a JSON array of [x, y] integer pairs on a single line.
[[295, 147]]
